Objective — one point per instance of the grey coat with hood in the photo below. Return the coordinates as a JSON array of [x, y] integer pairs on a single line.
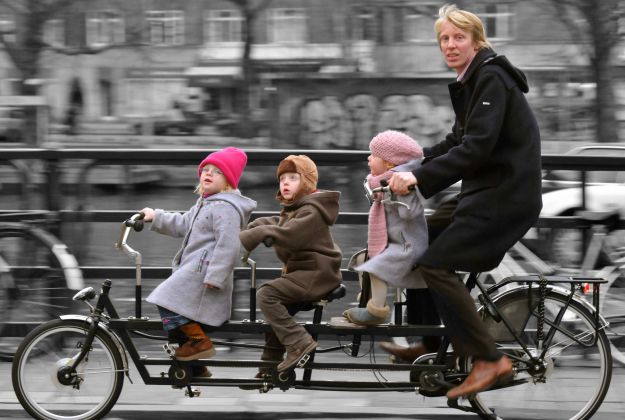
[[407, 240], [208, 254], [494, 148]]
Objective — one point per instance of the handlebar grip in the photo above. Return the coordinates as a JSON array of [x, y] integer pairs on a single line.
[[136, 223], [268, 241], [384, 183]]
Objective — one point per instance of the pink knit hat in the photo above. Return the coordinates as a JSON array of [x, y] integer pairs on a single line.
[[395, 147], [231, 161]]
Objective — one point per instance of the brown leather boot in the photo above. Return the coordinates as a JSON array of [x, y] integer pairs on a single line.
[[199, 346], [483, 375], [404, 354]]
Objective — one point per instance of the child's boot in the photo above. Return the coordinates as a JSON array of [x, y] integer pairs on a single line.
[[371, 315], [297, 353], [199, 346]]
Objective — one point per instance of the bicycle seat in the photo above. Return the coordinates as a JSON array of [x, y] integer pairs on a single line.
[[608, 218], [337, 293]]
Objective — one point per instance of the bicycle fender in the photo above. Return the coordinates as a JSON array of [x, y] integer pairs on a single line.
[[104, 328], [565, 293]]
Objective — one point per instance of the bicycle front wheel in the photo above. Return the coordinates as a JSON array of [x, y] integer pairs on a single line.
[[48, 388], [572, 378]]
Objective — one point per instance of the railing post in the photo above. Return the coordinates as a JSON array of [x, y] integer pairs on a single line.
[[53, 192]]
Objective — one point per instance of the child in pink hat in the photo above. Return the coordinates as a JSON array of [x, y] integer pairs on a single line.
[[397, 234], [198, 294]]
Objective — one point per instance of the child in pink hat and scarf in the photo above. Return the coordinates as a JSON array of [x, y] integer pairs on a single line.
[[198, 294], [397, 235]]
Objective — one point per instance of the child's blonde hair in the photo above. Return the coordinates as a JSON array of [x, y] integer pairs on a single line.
[[199, 190]]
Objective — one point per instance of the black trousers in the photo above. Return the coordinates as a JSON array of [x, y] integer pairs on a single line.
[[447, 297]]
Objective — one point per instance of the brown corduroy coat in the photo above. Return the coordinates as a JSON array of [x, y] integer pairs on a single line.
[[303, 242]]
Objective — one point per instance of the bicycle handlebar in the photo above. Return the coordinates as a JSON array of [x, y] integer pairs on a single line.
[[135, 223]]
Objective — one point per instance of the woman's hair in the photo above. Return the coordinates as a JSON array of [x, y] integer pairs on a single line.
[[464, 20]]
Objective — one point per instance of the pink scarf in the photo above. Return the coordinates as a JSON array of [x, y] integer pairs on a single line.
[[377, 235]]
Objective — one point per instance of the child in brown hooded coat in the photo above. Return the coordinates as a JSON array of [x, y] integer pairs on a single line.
[[303, 242]]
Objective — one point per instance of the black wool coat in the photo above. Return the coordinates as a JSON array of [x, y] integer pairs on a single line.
[[494, 148]]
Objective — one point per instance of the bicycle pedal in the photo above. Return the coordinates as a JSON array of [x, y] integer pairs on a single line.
[[192, 392], [169, 349], [302, 362]]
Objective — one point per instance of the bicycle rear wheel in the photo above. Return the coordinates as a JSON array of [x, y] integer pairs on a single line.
[[613, 310], [33, 286], [48, 389], [575, 373]]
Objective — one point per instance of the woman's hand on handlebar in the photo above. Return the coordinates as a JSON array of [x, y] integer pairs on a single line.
[[401, 182], [148, 214]]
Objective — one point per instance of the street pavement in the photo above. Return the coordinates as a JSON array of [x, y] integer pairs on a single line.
[[139, 401]]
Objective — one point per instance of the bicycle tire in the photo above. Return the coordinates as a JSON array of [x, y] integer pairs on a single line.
[[33, 285], [613, 310], [587, 367], [48, 349]]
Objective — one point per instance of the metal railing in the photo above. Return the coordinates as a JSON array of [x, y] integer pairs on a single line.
[[53, 161]]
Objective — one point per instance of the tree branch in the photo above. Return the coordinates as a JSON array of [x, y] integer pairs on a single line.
[[16, 6]]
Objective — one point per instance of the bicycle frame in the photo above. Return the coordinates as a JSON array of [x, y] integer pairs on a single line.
[[123, 328], [542, 322]]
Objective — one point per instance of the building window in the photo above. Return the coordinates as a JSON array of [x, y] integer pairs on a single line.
[[363, 26], [166, 27], [419, 22], [497, 20], [7, 27], [288, 25], [223, 26], [105, 27], [54, 32]]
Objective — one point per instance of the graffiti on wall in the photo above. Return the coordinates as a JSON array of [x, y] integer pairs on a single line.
[[328, 122]]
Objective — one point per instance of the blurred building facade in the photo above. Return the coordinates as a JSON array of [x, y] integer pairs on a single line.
[[323, 73]]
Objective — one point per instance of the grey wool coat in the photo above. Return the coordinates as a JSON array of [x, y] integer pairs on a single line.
[[208, 254], [407, 240]]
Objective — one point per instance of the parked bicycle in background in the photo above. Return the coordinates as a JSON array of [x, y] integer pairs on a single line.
[[38, 276]]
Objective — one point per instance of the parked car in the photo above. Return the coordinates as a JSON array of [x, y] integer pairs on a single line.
[[605, 190]]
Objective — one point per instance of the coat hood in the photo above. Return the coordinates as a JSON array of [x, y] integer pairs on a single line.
[[488, 56], [326, 202], [243, 205]]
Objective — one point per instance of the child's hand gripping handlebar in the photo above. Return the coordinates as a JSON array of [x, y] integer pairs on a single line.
[[245, 259]]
